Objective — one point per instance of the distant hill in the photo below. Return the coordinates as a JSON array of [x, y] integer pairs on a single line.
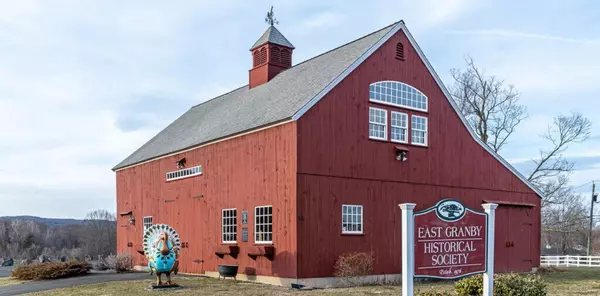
[[48, 221]]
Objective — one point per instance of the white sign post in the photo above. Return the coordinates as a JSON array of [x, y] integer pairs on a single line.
[[488, 276], [408, 248]]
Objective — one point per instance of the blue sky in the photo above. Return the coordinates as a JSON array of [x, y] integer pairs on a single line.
[[84, 83]]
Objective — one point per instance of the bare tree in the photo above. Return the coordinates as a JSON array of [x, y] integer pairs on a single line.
[[100, 233], [551, 170], [565, 226], [491, 108]]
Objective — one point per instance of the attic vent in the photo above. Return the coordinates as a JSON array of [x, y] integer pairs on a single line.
[[286, 58], [275, 55], [263, 56], [400, 51], [255, 58]]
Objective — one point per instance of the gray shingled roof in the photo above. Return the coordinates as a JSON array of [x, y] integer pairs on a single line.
[[272, 35], [245, 109]]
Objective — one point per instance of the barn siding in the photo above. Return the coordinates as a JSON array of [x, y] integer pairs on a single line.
[[244, 172], [338, 163]]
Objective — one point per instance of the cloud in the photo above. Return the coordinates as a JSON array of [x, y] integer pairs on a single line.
[[325, 19], [509, 33]]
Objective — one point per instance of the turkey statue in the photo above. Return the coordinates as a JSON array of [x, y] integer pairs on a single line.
[[161, 247]]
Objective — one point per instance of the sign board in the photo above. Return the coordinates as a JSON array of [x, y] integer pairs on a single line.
[[449, 241], [244, 217], [244, 234]]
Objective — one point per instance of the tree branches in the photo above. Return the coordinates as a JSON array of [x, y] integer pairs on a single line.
[[551, 170], [491, 108]]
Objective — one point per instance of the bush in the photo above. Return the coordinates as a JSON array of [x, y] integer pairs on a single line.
[[51, 270], [100, 265], [432, 292], [120, 263], [504, 285], [349, 266], [470, 286]]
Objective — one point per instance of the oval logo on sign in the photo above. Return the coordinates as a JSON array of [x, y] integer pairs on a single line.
[[450, 210]]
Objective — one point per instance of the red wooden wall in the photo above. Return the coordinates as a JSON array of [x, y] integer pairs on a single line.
[[338, 163], [244, 172]]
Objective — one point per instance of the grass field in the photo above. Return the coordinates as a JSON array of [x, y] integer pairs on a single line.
[[571, 282]]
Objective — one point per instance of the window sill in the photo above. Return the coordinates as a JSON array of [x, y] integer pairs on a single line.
[[352, 234], [403, 143], [229, 243]]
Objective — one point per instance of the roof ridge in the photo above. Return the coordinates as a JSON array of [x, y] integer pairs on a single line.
[[345, 44], [307, 60], [224, 94]]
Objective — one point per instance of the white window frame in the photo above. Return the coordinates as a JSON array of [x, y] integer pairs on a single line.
[[399, 88], [425, 131], [146, 224], [256, 225], [392, 126], [385, 130], [348, 215], [228, 219], [184, 173]]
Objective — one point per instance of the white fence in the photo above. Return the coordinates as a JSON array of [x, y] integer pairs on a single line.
[[571, 261]]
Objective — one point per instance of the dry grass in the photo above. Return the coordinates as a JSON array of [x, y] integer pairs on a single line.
[[5, 281], [572, 282]]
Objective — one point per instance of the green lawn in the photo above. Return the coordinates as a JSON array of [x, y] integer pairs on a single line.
[[571, 282]]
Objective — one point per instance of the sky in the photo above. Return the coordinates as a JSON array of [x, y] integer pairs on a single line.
[[85, 83]]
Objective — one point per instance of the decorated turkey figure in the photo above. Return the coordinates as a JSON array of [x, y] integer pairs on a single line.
[[161, 247]]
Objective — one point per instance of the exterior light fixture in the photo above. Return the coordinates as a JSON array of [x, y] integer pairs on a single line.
[[131, 220], [180, 163], [401, 153]]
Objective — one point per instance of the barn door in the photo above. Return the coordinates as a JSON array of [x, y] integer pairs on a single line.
[[521, 239], [502, 240]]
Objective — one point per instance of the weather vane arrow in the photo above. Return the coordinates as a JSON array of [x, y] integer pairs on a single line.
[[270, 19]]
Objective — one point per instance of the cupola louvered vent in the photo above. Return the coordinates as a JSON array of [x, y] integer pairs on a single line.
[[286, 58], [275, 55], [400, 51]]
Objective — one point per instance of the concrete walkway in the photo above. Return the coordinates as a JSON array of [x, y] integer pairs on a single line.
[[94, 278]]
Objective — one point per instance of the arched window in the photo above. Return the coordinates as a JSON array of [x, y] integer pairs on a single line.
[[397, 94], [286, 58], [255, 58], [400, 51], [275, 55], [263, 55]]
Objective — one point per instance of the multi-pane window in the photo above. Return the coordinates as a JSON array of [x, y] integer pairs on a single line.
[[419, 130], [399, 128], [229, 225], [184, 173], [377, 123], [263, 224], [398, 94], [147, 222], [352, 219]]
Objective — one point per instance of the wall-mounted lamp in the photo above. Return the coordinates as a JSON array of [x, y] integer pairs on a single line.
[[131, 220], [180, 163], [401, 153]]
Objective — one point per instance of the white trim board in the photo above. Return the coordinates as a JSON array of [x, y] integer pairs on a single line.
[[401, 26]]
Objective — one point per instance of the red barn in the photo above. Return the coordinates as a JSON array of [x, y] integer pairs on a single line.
[[310, 161]]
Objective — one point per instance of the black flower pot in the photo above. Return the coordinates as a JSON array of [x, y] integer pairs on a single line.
[[228, 271]]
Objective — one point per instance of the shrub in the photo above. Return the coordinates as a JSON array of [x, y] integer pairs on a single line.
[[50, 270], [432, 292], [350, 266], [99, 265], [120, 263], [504, 285], [470, 286]]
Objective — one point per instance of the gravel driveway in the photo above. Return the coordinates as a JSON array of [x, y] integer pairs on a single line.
[[5, 271]]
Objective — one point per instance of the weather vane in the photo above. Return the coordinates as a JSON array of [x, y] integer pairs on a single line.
[[270, 19]]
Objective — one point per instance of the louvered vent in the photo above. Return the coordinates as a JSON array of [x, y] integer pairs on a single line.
[[286, 58], [275, 55], [263, 55], [400, 51]]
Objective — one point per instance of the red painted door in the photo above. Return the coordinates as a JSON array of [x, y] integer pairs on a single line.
[[521, 239]]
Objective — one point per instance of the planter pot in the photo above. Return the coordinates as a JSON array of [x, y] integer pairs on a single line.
[[228, 271]]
